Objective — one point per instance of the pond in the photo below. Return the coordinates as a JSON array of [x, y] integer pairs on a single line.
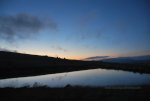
[[93, 77]]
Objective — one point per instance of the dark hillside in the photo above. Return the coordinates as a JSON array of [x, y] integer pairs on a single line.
[[18, 64]]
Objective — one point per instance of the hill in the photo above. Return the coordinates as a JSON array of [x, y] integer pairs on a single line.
[[17, 64], [134, 60]]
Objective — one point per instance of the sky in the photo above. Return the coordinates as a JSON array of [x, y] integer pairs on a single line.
[[76, 29]]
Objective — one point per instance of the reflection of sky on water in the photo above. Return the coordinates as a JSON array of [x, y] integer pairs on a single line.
[[95, 77]]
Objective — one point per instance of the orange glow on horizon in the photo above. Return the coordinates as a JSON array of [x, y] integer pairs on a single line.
[[80, 56]]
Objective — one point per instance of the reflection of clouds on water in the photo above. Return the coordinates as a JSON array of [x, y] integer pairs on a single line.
[[59, 77]]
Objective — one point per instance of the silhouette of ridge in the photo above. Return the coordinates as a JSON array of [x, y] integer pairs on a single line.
[[14, 64]]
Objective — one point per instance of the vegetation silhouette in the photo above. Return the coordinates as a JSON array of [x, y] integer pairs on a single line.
[[76, 93], [18, 65]]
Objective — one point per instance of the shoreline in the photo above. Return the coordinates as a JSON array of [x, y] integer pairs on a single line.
[[35, 71]]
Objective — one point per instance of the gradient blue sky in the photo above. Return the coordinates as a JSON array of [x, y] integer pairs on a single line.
[[84, 28]]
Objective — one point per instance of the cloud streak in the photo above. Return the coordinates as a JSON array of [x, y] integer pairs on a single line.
[[96, 58], [21, 26]]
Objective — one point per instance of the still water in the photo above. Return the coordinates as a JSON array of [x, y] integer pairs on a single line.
[[93, 77]]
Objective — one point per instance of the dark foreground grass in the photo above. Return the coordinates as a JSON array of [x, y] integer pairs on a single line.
[[122, 93]]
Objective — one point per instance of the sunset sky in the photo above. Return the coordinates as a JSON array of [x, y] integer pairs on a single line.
[[76, 29]]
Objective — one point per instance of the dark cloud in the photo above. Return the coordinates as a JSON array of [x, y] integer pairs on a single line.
[[97, 57], [23, 25]]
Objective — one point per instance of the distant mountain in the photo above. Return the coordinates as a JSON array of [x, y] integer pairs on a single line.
[[135, 59]]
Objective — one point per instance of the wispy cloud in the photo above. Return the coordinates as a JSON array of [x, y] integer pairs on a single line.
[[59, 48], [86, 19], [96, 58], [22, 26], [85, 23]]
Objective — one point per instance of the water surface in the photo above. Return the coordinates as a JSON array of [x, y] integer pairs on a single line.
[[93, 77]]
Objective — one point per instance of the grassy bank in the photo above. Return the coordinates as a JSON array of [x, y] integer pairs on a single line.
[[19, 65], [122, 93]]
